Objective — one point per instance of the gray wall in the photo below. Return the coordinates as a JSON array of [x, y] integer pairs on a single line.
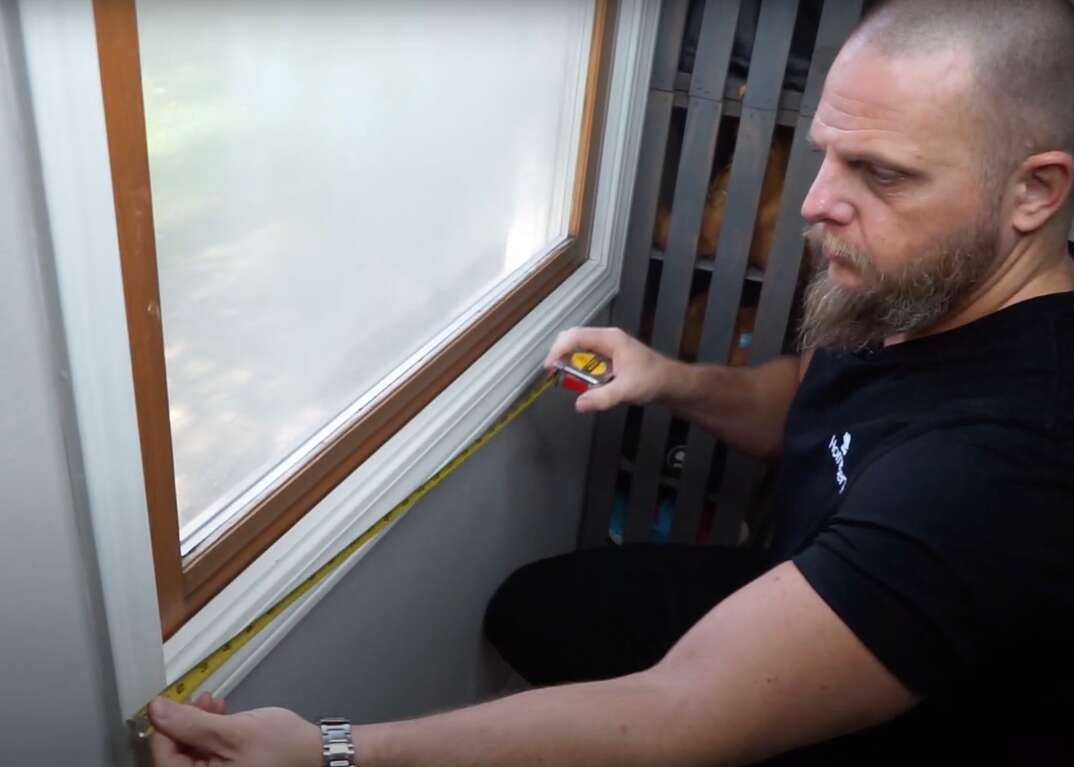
[[398, 636], [401, 634], [55, 677]]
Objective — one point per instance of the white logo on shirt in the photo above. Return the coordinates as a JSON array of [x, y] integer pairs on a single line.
[[839, 455]]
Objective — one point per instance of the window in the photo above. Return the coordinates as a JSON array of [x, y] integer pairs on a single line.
[[325, 213]]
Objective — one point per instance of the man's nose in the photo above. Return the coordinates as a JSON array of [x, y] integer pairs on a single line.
[[826, 201]]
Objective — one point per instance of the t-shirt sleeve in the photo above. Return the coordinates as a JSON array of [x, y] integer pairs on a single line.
[[950, 550]]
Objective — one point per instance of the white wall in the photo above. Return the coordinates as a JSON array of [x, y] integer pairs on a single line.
[[57, 696]]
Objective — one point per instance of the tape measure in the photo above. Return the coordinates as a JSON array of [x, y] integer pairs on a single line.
[[581, 371], [181, 689]]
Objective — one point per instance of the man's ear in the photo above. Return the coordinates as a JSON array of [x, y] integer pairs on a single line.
[[1044, 182]]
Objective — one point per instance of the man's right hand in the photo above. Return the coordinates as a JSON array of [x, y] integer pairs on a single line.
[[640, 374]]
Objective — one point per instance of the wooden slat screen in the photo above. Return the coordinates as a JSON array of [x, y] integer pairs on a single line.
[[710, 111], [756, 127], [703, 120]]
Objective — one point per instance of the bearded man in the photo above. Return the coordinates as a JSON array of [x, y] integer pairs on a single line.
[[917, 602]]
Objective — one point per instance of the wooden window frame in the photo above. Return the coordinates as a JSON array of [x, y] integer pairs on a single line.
[[185, 587]]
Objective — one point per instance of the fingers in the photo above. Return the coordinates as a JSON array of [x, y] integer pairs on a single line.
[[166, 752], [603, 341], [600, 398], [190, 726], [206, 702]]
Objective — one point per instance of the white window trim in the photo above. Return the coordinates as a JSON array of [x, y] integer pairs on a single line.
[[60, 44]]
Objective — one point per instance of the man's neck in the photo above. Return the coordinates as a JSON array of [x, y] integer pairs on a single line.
[[1032, 269]]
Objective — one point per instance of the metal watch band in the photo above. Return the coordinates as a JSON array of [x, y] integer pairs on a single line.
[[337, 747]]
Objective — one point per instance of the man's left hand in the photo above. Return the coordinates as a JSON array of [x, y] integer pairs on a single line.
[[201, 735]]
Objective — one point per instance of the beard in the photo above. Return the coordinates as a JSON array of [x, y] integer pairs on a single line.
[[937, 282]]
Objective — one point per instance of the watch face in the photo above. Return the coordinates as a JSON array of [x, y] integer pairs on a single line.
[[337, 746]]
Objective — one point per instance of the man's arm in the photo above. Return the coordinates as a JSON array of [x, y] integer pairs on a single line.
[[769, 669], [745, 407]]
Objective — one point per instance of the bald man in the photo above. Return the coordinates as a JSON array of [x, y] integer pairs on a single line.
[[918, 599]]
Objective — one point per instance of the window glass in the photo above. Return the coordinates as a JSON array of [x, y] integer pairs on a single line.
[[336, 186]]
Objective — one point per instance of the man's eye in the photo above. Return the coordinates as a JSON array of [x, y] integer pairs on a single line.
[[883, 176]]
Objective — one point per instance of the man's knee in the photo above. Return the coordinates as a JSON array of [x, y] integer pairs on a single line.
[[508, 610], [533, 619]]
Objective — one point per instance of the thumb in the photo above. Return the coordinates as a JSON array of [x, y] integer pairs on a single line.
[[189, 725], [600, 398]]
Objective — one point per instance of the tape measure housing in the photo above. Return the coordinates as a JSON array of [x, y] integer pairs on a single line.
[[581, 371]]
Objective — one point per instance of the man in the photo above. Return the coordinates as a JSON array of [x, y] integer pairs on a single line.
[[921, 582]]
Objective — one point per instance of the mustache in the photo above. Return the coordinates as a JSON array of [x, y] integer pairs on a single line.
[[823, 244]]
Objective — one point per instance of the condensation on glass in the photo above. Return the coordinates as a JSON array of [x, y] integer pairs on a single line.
[[336, 186]]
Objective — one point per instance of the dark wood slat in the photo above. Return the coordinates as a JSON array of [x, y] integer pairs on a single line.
[[691, 187], [771, 49], [699, 147], [732, 249], [756, 127], [837, 20], [753, 273], [714, 43], [669, 37], [785, 259], [784, 262], [626, 311], [736, 489], [602, 475]]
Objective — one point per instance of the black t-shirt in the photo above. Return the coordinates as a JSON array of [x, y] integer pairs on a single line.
[[927, 495]]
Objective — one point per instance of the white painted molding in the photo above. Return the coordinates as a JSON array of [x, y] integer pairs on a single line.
[[65, 88], [61, 50]]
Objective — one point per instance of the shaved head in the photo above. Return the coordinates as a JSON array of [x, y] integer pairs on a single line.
[[947, 129], [1022, 52]]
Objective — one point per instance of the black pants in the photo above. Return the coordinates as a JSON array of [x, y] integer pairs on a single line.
[[606, 612]]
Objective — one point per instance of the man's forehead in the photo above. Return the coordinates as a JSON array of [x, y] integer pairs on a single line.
[[913, 103]]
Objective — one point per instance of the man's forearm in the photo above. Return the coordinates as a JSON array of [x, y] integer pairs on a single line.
[[745, 407], [619, 722], [769, 669]]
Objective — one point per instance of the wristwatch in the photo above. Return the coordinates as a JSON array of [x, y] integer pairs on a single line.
[[337, 747]]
